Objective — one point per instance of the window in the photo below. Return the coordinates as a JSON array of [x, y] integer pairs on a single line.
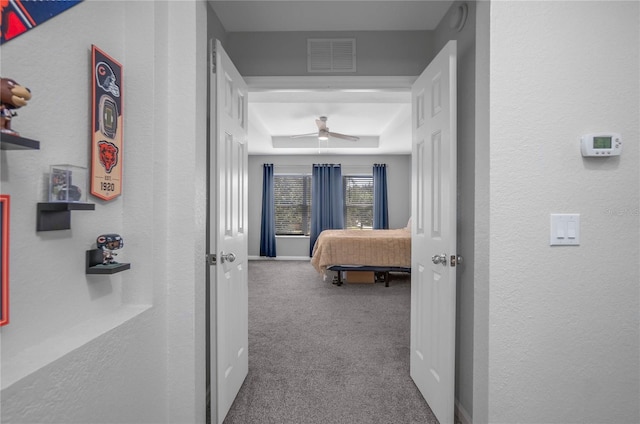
[[293, 204], [358, 202]]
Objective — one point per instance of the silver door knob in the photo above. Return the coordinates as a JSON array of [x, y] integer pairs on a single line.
[[228, 257], [440, 259]]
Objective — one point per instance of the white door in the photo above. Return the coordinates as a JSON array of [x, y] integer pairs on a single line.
[[433, 242], [228, 233]]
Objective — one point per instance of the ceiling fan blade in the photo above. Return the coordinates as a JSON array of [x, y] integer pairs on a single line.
[[305, 135], [344, 136]]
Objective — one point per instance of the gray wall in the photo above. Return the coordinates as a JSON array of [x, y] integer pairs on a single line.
[[285, 53], [128, 347], [215, 30], [563, 320], [482, 215], [398, 180]]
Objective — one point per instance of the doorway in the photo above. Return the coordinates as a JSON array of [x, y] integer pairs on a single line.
[[351, 82]]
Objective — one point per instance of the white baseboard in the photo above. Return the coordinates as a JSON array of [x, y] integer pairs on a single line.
[[462, 415], [280, 258]]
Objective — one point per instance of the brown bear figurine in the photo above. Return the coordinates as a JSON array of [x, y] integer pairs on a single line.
[[12, 96]]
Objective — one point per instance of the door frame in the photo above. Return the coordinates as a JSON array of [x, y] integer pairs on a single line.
[[308, 83], [434, 210], [212, 247], [324, 83]]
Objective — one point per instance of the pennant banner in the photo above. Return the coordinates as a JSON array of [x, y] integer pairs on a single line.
[[19, 16], [107, 121]]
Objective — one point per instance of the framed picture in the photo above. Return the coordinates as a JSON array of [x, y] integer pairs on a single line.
[[4, 259], [106, 126]]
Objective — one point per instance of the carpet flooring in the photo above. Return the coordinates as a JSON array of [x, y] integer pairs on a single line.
[[319, 353]]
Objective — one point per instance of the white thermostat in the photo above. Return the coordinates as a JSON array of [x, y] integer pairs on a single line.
[[601, 144]]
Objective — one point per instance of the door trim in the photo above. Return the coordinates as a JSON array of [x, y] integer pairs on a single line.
[[323, 83]]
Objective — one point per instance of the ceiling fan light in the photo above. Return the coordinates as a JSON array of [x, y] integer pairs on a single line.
[[323, 137]]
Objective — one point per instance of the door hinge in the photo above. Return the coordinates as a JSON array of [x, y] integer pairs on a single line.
[[212, 259], [212, 55]]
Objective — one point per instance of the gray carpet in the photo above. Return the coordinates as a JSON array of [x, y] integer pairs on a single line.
[[319, 353]]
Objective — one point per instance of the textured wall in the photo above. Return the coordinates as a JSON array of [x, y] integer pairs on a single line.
[[48, 267], [564, 321], [186, 208], [79, 344], [82, 349]]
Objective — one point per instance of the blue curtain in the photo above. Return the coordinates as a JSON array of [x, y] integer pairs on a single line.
[[327, 210], [268, 227], [380, 205]]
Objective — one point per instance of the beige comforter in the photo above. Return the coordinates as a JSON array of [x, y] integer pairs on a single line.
[[362, 247]]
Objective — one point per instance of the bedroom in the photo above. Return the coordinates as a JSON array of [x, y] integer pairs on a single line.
[[290, 247], [368, 103]]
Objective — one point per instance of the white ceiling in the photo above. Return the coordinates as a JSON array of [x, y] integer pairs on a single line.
[[380, 114], [356, 110]]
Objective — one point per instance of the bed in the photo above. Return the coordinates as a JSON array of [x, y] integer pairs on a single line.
[[380, 251]]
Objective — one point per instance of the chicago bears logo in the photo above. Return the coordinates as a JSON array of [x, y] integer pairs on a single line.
[[108, 155]]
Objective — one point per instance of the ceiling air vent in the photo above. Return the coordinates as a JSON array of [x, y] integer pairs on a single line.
[[331, 55]]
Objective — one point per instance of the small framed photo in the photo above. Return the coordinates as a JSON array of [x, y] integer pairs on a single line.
[[4, 259]]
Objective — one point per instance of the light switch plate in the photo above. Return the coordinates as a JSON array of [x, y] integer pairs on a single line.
[[565, 229]]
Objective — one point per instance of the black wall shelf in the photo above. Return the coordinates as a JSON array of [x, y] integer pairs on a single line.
[[95, 266], [15, 142], [53, 216]]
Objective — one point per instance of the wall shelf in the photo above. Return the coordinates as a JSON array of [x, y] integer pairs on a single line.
[[15, 142], [53, 216], [95, 266]]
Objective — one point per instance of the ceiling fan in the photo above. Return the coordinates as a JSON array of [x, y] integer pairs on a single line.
[[324, 133]]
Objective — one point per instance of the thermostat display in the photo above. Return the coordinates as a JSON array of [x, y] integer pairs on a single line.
[[601, 144]]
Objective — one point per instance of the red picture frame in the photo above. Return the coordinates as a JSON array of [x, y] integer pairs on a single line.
[[4, 259]]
